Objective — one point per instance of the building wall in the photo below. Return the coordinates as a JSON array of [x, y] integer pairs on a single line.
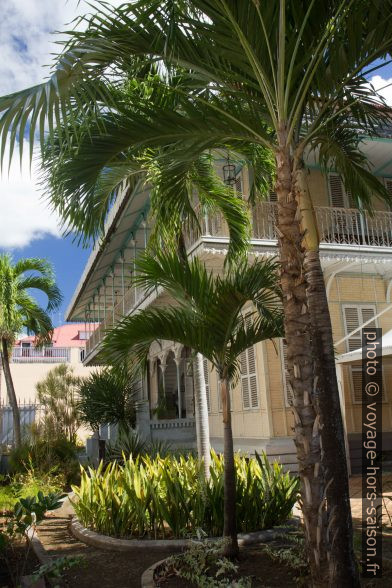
[[27, 375]]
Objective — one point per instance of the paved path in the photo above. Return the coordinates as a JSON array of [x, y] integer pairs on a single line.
[[356, 498]]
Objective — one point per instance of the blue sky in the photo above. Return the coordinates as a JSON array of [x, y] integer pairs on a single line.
[[27, 227]]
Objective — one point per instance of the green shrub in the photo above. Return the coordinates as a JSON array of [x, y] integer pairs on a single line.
[[129, 442], [169, 497], [58, 456]]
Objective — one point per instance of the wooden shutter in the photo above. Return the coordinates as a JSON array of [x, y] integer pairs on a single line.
[[250, 392], [288, 394], [245, 381], [354, 317], [207, 382], [338, 195], [356, 385], [388, 185]]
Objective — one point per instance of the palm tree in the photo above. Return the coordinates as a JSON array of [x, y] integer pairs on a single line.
[[18, 309], [108, 396], [287, 76], [219, 317]]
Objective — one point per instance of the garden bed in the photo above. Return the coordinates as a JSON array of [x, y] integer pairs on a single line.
[[94, 539]]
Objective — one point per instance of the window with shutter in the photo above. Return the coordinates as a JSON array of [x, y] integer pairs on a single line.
[[388, 185], [273, 197], [250, 392], [336, 191], [356, 385], [354, 317], [338, 195], [288, 395], [207, 382]]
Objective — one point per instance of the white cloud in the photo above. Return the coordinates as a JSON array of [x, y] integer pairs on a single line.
[[26, 44], [24, 214], [385, 87]]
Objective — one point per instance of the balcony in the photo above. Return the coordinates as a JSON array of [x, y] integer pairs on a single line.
[[338, 226], [41, 355], [345, 227], [132, 298]]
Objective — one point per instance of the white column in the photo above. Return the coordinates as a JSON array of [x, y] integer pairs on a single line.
[[339, 377], [179, 400], [123, 282]]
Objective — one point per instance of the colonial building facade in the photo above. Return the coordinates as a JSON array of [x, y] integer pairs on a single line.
[[356, 257]]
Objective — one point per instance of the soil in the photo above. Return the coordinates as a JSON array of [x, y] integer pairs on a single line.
[[254, 563], [101, 569], [21, 560], [108, 569]]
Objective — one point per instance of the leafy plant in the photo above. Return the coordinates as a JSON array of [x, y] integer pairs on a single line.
[[129, 442], [292, 553], [170, 497], [57, 393], [203, 564], [108, 396], [47, 457], [26, 514], [55, 568]]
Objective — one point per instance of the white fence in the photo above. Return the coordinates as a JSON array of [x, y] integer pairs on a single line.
[[30, 412], [40, 355]]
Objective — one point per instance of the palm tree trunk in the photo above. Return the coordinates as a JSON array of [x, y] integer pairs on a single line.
[[203, 441], [343, 568], [231, 549], [301, 367], [11, 393]]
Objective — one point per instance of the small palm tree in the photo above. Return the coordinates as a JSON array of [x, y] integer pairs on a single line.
[[217, 316], [108, 396], [18, 309]]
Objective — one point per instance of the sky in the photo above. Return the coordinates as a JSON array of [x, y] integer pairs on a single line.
[[27, 226]]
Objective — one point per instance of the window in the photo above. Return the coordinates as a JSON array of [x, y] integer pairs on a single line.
[[355, 316], [83, 335], [82, 354], [250, 392], [288, 394], [339, 197], [356, 385], [273, 197], [207, 381]]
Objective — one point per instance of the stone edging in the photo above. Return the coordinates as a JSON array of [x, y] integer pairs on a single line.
[[113, 544]]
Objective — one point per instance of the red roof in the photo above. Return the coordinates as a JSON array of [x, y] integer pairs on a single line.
[[65, 335]]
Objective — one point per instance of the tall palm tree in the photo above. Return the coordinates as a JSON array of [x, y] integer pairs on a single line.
[[219, 317], [18, 309], [289, 76]]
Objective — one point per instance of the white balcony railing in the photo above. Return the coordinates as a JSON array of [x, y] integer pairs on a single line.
[[41, 355], [339, 226], [133, 296]]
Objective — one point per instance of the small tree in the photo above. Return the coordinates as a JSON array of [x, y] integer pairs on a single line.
[[108, 397], [58, 393], [219, 317], [18, 309]]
